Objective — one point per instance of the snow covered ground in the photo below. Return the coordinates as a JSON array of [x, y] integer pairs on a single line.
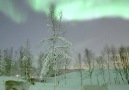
[[72, 82]]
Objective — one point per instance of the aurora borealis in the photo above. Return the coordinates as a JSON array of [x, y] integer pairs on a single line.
[[83, 9], [8, 8], [71, 9]]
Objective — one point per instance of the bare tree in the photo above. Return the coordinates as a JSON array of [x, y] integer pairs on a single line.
[[115, 61], [101, 67], [66, 64], [107, 55], [79, 66], [89, 60], [124, 59]]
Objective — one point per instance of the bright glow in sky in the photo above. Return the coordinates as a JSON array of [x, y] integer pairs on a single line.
[[84, 9], [71, 9], [9, 9]]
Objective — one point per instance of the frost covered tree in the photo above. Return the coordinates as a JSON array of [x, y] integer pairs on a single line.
[[8, 56], [40, 60], [28, 60], [2, 64], [25, 61], [20, 60], [58, 47]]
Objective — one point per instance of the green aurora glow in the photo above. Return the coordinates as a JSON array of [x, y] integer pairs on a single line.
[[71, 9], [7, 7], [84, 9]]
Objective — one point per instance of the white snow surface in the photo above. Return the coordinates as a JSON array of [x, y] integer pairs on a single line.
[[72, 82]]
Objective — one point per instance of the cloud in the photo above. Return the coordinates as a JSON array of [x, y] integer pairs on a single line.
[[85, 43]]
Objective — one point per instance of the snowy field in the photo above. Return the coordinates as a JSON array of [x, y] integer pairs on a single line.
[[72, 82]]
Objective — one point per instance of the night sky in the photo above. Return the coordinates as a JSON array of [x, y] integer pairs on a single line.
[[93, 34]]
